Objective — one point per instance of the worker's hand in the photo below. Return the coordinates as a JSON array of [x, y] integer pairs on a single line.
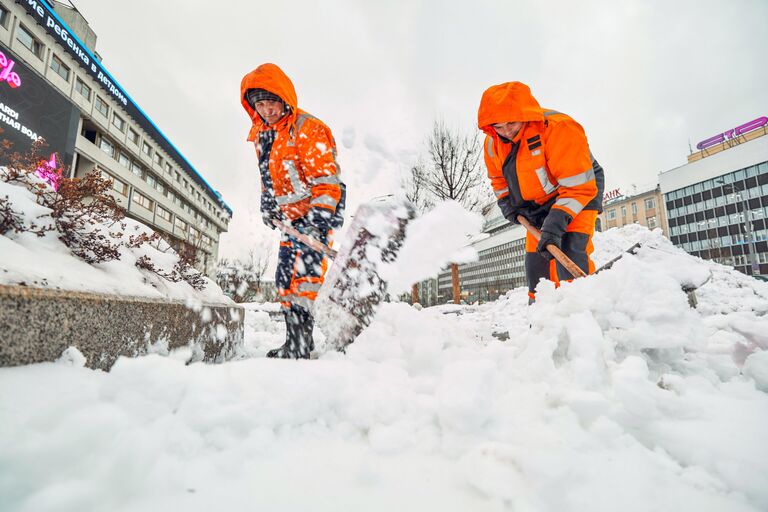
[[268, 216], [552, 231], [320, 218], [546, 239]]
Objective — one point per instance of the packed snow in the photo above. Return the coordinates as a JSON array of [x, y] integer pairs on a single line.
[[45, 262], [610, 393]]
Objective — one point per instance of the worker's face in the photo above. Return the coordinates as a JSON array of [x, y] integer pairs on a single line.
[[508, 130], [270, 110]]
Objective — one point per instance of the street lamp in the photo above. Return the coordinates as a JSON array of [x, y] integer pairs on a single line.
[[747, 224]]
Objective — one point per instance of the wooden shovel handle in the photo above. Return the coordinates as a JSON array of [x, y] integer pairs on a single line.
[[555, 251], [306, 240]]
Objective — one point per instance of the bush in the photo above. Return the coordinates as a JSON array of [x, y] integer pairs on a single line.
[[83, 214]]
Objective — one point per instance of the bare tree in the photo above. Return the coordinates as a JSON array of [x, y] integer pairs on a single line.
[[452, 172], [243, 279], [453, 169]]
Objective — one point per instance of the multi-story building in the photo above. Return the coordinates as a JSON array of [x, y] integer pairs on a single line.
[[53, 85], [717, 203], [638, 206]]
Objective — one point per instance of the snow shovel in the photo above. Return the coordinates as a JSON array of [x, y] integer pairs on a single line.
[[555, 251], [353, 288], [317, 245]]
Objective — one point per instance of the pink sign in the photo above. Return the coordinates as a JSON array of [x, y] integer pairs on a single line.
[[6, 75], [49, 172], [732, 133]]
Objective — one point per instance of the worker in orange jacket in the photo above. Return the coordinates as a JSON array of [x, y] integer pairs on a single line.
[[540, 167], [301, 186]]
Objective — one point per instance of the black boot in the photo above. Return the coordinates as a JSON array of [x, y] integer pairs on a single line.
[[297, 344]]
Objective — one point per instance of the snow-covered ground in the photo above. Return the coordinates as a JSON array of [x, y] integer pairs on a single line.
[[610, 394]]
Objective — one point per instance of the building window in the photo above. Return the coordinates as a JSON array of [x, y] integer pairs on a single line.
[[634, 208], [136, 169], [164, 214], [168, 169], [60, 68], [118, 122], [5, 15], [180, 225], [651, 222], [146, 149], [142, 200], [151, 180], [194, 233], [624, 212], [133, 136], [102, 106], [158, 158], [124, 160], [107, 147], [83, 89], [29, 41], [119, 186]]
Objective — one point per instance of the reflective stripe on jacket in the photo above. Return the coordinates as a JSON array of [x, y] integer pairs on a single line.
[[552, 159], [302, 160]]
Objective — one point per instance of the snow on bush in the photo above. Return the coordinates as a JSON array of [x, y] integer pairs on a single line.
[[76, 237]]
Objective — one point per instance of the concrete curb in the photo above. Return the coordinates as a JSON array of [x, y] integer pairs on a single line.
[[38, 324]]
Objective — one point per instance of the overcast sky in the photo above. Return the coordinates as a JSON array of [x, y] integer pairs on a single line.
[[643, 77]]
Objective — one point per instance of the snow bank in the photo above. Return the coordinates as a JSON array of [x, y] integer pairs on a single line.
[[45, 262], [610, 394]]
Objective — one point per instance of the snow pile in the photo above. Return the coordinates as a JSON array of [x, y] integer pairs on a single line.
[[610, 393], [46, 262]]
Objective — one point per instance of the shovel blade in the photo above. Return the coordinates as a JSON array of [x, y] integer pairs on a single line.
[[353, 288]]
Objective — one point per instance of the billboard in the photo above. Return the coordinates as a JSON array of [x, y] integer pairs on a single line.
[[31, 108]]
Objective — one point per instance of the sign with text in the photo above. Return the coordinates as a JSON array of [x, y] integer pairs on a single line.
[[612, 194], [733, 133], [47, 18], [36, 109]]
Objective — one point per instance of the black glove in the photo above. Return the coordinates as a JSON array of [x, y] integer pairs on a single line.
[[507, 210], [267, 216], [320, 218], [552, 231], [534, 213]]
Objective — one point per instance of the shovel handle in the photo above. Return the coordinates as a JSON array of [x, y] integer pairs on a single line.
[[554, 250], [306, 240]]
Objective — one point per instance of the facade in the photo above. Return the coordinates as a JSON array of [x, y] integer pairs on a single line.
[[717, 203], [644, 207], [65, 95]]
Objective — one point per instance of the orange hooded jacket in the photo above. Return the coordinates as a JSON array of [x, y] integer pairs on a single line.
[[553, 160], [302, 161]]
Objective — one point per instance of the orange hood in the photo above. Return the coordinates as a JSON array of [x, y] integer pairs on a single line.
[[271, 78], [505, 103]]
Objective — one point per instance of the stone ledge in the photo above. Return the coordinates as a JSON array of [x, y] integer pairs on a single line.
[[38, 324]]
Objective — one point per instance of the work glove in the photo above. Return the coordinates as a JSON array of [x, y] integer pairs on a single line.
[[268, 216], [534, 213], [320, 218], [552, 231]]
